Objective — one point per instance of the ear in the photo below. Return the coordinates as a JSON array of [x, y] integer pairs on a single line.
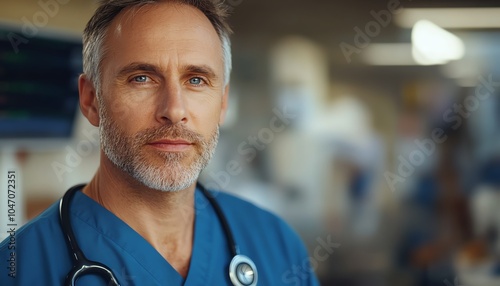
[[224, 105], [88, 100]]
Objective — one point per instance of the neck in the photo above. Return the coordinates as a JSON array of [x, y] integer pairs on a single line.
[[164, 219]]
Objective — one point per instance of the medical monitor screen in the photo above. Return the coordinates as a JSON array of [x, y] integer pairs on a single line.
[[38, 85]]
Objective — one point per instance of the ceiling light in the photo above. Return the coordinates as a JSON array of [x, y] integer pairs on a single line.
[[432, 45], [451, 18]]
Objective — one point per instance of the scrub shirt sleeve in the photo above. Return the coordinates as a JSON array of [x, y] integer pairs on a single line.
[[301, 271]]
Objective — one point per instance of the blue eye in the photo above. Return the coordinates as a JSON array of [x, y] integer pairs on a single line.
[[196, 80], [141, 78]]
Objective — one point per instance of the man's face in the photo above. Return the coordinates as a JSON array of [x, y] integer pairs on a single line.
[[163, 95]]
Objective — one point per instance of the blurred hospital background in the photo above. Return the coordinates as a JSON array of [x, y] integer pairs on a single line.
[[372, 127]]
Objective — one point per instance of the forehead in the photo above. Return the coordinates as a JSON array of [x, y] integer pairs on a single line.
[[161, 32]]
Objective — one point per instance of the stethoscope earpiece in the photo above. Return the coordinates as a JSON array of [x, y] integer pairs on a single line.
[[242, 271]]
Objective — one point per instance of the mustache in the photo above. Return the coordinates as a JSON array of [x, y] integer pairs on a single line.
[[176, 131]]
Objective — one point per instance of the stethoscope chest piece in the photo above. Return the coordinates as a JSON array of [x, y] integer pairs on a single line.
[[242, 271]]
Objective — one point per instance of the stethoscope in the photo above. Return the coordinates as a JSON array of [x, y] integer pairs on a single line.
[[242, 270]]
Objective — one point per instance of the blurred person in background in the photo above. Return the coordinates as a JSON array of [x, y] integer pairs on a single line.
[[437, 223]]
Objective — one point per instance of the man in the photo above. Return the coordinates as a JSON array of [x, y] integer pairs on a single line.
[[156, 81]]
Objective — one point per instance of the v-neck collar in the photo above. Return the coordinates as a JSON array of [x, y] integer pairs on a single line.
[[132, 243]]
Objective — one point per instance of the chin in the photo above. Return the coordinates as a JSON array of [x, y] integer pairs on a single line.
[[167, 178], [169, 187]]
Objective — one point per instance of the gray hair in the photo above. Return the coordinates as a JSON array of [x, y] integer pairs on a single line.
[[96, 30]]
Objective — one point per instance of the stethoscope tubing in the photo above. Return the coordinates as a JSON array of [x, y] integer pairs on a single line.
[[83, 266]]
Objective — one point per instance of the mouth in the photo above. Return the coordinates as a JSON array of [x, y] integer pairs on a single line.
[[171, 145]]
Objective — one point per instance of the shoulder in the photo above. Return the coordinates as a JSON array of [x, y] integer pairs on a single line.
[[252, 221], [276, 249], [31, 246], [243, 211], [45, 223]]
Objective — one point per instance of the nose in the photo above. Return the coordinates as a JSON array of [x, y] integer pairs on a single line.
[[171, 105]]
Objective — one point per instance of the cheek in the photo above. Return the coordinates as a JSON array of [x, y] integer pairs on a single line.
[[118, 111], [205, 111], [128, 108]]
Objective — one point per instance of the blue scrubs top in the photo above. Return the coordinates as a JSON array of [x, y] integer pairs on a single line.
[[43, 258]]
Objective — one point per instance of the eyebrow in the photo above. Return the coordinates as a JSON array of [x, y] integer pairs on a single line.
[[196, 69], [201, 69], [133, 67]]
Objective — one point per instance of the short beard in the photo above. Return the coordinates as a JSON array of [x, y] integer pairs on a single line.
[[170, 174]]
